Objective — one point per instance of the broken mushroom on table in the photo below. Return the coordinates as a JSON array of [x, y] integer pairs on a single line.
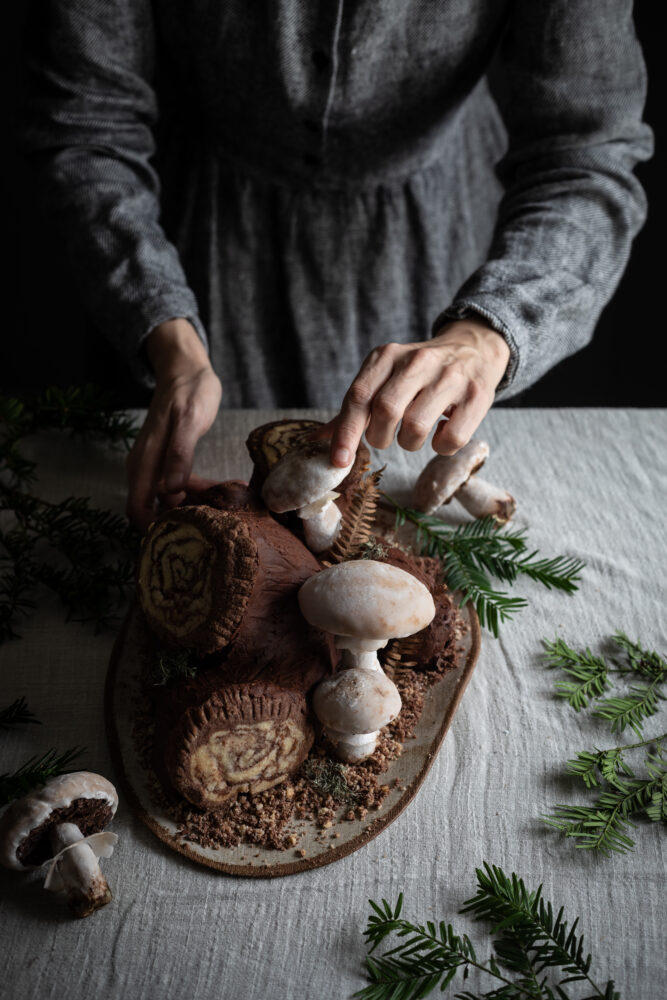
[[304, 480], [448, 476], [364, 603], [62, 823]]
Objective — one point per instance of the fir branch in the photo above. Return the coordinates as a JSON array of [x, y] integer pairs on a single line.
[[646, 663], [473, 553], [533, 943], [17, 714], [35, 772], [631, 710], [99, 546], [603, 826], [589, 672]]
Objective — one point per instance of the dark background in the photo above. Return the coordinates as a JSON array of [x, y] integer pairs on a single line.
[[49, 339]]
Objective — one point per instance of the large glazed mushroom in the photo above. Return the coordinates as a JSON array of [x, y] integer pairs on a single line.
[[63, 823], [304, 480], [447, 476], [364, 603]]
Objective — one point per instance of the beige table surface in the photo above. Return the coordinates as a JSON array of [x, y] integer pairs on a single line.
[[591, 483]]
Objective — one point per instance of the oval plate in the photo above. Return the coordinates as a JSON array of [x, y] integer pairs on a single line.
[[123, 694]]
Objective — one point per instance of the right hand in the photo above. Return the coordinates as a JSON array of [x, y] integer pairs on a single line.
[[184, 405]]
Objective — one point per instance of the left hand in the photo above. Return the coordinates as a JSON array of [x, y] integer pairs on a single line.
[[454, 374]]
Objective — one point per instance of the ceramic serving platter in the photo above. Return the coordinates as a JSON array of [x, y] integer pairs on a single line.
[[124, 719]]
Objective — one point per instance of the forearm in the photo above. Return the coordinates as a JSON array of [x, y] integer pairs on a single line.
[[576, 86]]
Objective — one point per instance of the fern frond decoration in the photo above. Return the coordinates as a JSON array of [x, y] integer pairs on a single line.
[[357, 522], [474, 553]]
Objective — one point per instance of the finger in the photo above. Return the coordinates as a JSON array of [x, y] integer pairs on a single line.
[[197, 484], [354, 415], [167, 501], [410, 375], [423, 413], [143, 464], [322, 433], [453, 434], [179, 453]]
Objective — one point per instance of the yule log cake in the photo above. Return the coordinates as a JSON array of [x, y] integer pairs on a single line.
[[284, 606]]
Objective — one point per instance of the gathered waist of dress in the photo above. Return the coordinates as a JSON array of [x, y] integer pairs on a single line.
[[303, 154]]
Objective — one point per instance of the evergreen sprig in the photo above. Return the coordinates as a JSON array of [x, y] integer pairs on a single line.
[[16, 714], [536, 945], [603, 826], [85, 411], [473, 554], [591, 680], [589, 673], [83, 554], [35, 772]]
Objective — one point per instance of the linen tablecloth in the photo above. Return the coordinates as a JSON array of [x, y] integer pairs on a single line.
[[590, 483]]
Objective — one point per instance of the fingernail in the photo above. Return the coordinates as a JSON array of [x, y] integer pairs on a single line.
[[341, 456]]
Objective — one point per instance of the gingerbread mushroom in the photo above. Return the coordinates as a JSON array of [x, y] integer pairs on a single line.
[[304, 480], [448, 476], [364, 603], [63, 823]]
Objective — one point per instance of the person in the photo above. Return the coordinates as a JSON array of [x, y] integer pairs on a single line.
[[346, 211]]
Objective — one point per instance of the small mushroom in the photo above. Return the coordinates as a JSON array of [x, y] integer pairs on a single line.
[[364, 603], [447, 476], [304, 480], [61, 823]]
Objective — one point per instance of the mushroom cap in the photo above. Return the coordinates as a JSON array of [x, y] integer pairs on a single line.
[[301, 476], [445, 474], [356, 701], [46, 806], [366, 599]]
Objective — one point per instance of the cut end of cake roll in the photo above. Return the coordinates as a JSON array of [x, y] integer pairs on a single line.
[[243, 739], [196, 572]]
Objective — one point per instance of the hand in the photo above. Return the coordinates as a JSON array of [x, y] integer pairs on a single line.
[[184, 405], [454, 374]]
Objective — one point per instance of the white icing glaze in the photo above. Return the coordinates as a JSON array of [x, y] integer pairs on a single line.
[[366, 599], [32, 810]]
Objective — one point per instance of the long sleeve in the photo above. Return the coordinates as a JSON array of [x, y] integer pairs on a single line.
[[90, 111], [575, 81]]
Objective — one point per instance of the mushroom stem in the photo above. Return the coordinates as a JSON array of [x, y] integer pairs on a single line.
[[82, 879], [321, 522], [353, 749], [481, 499], [360, 652]]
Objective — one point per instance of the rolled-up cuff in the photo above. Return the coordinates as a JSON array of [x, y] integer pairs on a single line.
[[487, 307], [131, 342]]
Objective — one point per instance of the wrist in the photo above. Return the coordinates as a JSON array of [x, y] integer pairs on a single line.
[[174, 345], [478, 333]]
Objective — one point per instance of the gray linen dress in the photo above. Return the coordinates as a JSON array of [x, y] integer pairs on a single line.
[[336, 175]]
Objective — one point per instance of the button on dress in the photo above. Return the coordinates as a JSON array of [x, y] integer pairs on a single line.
[[305, 181]]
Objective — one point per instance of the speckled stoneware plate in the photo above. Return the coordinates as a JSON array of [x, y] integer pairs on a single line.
[[138, 782]]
